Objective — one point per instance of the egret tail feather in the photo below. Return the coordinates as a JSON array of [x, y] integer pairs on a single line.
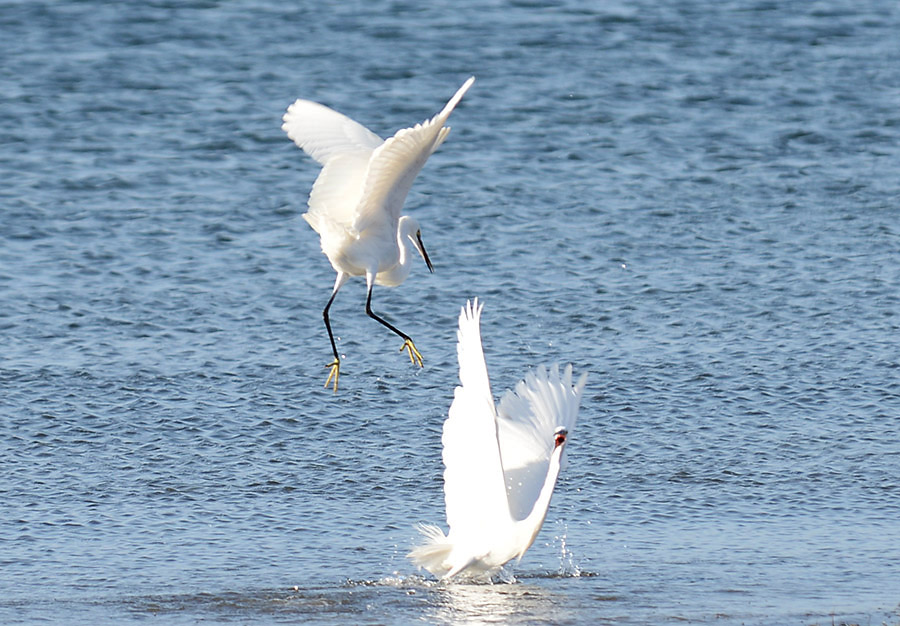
[[432, 554]]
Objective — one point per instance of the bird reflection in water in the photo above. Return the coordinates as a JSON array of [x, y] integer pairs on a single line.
[[501, 604]]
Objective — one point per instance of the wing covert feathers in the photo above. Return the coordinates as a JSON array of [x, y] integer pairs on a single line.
[[323, 133], [395, 164], [527, 420]]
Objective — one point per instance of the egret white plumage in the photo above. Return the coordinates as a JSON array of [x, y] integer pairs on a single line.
[[356, 201], [501, 464]]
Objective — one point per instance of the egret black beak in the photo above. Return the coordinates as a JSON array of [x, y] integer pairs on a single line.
[[424, 254]]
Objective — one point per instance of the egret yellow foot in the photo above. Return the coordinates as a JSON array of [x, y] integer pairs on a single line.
[[334, 373], [414, 356]]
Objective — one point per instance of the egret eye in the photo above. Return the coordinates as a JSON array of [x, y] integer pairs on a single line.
[[560, 437]]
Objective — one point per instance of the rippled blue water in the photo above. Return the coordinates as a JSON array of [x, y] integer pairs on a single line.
[[696, 202]]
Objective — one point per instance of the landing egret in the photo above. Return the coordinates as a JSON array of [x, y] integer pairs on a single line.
[[356, 200], [501, 464]]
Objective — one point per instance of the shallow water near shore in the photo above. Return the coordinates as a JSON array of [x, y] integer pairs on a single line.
[[695, 202]]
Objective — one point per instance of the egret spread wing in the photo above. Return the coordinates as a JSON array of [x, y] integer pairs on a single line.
[[324, 133], [396, 163], [344, 148], [527, 420], [474, 489]]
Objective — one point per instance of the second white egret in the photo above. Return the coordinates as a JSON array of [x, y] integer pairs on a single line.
[[501, 464], [356, 201]]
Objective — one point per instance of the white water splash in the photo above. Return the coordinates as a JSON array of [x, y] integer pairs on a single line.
[[567, 564]]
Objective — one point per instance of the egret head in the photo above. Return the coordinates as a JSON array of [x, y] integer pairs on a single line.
[[559, 437], [410, 228]]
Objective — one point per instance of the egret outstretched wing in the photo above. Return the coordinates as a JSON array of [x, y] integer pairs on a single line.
[[396, 163], [344, 148], [528, 417], [324, 133], [474, 489]]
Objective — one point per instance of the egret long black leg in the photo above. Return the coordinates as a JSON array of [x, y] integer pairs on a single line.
[[414, 355], [336, 364]]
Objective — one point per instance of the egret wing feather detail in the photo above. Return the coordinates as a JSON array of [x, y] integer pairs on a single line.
[[335, 194], [474, 487], [344, 148], [323, 133], [395, 164], [528, 417]]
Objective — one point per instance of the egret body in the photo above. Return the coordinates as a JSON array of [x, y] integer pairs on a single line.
[[501, 464], [356, 201]]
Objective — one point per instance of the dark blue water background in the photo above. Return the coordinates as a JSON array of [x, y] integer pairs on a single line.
[[696, 202]]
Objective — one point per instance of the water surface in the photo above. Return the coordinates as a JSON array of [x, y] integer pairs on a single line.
[[695, 202]]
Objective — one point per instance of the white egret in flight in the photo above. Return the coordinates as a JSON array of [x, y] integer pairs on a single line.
[[501, 464], [356, 200]]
